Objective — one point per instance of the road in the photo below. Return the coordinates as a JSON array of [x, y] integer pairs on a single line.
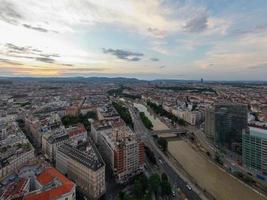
[[163, 161]]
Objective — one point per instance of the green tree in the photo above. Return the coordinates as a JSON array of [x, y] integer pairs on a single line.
[[163, 143], [166, 188], [124, 113], [154, 183], [164, 177], [138, 189], [148, 124]]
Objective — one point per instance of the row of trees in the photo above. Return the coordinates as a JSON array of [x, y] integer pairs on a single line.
[[124, 113], [72, 120], [148, 124], [150, 155], [158, 109], [247, 179], [144, 188]]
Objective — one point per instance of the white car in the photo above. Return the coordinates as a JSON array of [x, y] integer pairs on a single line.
[[188, 187]]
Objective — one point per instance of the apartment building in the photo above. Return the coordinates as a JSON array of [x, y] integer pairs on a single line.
[[254, 150], [122, 150], [84, 165], [15, 149]]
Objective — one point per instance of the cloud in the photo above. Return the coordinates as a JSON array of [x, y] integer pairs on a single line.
[[124, 54], [27, 52], [251, 30], [15, 48], [10, 62], [35, 28], [236, 55], [154, 59], [198, 23], [45, 59], [258, 67], [9, 13], [83, 69]]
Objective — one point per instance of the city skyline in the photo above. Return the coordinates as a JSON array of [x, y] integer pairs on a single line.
[[152, 39]]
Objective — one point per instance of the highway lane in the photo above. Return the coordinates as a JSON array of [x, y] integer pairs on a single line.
[[174, 178]]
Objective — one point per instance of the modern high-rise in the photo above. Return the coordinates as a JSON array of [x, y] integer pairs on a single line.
[[231, 119], [254, 149], [225, 123], [210, 123]]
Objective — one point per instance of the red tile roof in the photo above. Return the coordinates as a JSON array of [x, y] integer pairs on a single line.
[[76, 130], [47, 176]]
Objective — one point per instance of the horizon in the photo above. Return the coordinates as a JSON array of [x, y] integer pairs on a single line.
[[124, 77], [148, 40]]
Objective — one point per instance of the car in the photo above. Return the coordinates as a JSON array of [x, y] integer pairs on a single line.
[[188, 187], [173, 193]]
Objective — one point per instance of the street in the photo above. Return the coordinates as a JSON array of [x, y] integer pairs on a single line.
[[163, 161]]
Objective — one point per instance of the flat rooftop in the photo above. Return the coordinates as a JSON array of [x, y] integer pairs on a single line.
[[258, 132]]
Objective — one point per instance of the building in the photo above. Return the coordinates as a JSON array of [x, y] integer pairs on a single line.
[[77, 133], [15, 149], [51, 141], [107, 112], [254, 150], [224, 124], [231, 119], [191, 117], [41, 125], [34, 182], [84, 165], [210, 123], [122, 151], [99, 128]]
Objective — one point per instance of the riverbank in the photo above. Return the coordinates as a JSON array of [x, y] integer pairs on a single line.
[[208, 175]]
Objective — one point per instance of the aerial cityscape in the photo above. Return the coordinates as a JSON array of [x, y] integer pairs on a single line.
[[133, 100]]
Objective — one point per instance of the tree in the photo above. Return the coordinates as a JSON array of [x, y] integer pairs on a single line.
[[121, 196], [218, 158], [138, 189], [154, 182], [163, 143], [166, 188], [124, 113], [147, 196], [164, 177], [165, 185], [148, 124], [150, 155]]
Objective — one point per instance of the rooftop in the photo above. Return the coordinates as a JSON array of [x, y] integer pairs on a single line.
[[85, 153], [48, 176], [258, 132]]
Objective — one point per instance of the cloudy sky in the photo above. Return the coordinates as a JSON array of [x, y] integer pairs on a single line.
[[147, 39]]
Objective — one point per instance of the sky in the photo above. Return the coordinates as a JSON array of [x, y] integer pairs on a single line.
[[145, 39]]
